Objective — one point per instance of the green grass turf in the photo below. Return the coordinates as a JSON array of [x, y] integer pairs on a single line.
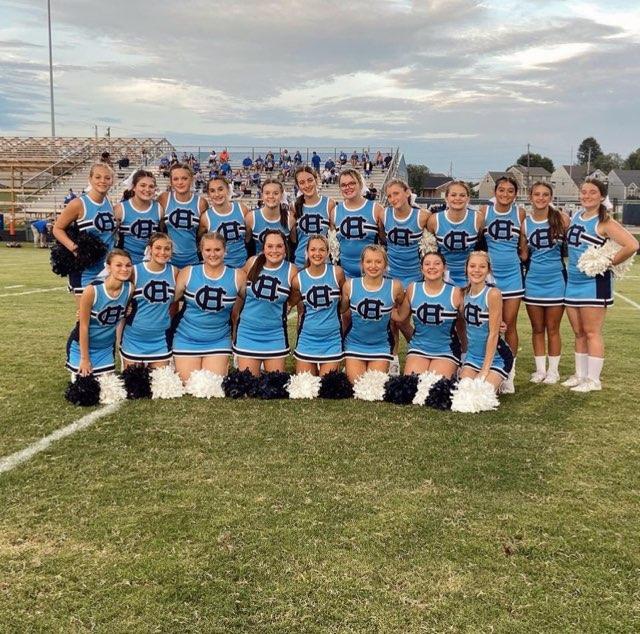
[[226, 516]]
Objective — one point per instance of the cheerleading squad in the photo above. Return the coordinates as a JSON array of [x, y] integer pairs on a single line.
[[182, 286]]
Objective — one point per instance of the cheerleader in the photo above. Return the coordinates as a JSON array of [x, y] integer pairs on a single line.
[[312, 213], [147, 333], [545, 280], [92, 212], [317, 288], [358, 221], [503, 227], [202, 329], [226, 217], [138, 215], [90, 349], [272, 216], [261, 333], [183, 209], [587, 297], [368, 301], [488, 355], [433, 305], [456, 229]]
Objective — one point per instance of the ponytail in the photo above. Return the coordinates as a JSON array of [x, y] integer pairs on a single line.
[[603, 213], [556, 225], [127, 194], [284, 216], [256, 267], [298, 206]]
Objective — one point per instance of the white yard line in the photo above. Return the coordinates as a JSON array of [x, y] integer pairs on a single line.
[[626, 299], [37, 290], [13, 460], [14, 286]]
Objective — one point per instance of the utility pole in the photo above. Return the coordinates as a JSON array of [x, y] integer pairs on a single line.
[[589, 162], [53, 116], [528, 167], [451, 169], [95, 129]]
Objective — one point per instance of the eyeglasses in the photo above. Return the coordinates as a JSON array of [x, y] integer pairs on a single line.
[[348, 185]]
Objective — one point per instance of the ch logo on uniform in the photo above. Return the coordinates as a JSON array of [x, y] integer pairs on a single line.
[[574, 235], [104, 222], [541, 239], [400, 236], [111, 315], [472, 315], [231, 230], [319, 296], [157, 292], [456, 240], [266, 287], [210, 298], [430, 314], [500, 229], [353, 228], [181, 218], [142, 229], [370, 308], [310, 224]]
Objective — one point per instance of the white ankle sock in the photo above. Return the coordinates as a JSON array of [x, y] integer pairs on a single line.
[[594, 368], [581, 364], [541, 363], [554, 363], [512, 374]]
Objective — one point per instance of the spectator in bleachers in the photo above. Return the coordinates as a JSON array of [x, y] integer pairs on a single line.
[[354, 159], [269, 156], [214, 172], [225, 168], [255, 179], [247, 162], [196, 165], [372, 192], [315, 162], [145, 157], [224, 156], [269, 164], [365, 156], [69, 197], [212, 157], [387, 160], [326, 177], [284, 155], [379, 161], [123, 161], [105, 157], [259, 163], [329, 164], [199, 181], [367, 167], [343, 158], [297, 158]]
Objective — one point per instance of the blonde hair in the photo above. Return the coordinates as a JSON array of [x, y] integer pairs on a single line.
[[100, 165], [376, 248], [212, 235], [460, 184], [485, 255], [354, 173]]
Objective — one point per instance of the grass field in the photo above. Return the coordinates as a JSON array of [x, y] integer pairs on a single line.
[[226, 516]]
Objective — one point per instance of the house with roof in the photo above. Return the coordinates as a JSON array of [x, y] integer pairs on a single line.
[[566, 180], [434, 185], [487, 184], [523, 176], [624, 184]]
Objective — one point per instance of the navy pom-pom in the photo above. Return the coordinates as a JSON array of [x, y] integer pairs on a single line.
[[440, 394], [63, 262], [238, 383], [91, 250], [335, 385], [400, 390], [85, 391], [270, 385], [137, 381]]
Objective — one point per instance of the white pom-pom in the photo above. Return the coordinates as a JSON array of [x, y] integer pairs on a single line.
[[112, 388], [334, 245], [428, 243], [165, 383], [426, 380], [205, 384], [594, 261], [370, 385], [472, 396], [304, 385]]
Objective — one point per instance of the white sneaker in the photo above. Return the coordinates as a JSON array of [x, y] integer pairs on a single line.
[[588, 385], [538, 377], [394, 366], [552, 378], [573, 381], [507, 387]]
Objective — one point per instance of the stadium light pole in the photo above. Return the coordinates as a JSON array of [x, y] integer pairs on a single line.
[[53, 116]]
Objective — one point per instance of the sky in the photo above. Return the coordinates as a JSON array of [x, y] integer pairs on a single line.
[[458, 85]]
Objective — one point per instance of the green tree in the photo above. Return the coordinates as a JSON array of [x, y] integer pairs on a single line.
[[583, 151], [416, 176], [536, 160], [633, 160], [608, 162]]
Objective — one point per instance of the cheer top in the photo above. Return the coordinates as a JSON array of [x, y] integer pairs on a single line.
[[233, 229], [355, 229], [261, 225], [403, 239], [182, 220], [136, 228], [153, 294], [455, 241], [314, 220]]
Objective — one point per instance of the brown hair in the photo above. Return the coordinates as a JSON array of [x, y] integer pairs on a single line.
[[299, 204], [400, 183], [156, 236], [138, 175], [437, 254], [321, 238], [222, 179], [117, 253], [506, 179], [181, 166], [212, 235], [376, 248], [261, 258], [603, 214], [462, 184], [556, 225], [284, 210]]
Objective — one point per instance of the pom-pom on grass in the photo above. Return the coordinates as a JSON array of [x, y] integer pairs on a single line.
[[440, 394], [271, 385], [370, 385], [426, 380], [335, 385], [238, 384], [137, 381], [304, 385], [205, 384], [401, 390], [84, 391], [112, 388], [473, 395], [165, 383]]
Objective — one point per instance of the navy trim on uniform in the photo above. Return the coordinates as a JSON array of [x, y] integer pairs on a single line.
[[251, 354], [318, 358], [424, 355], [101, 370], [586, 303], [145, 358], [362, 356], [548, 302], [493, 368]]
